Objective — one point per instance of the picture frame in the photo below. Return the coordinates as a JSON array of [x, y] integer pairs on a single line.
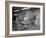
[[8, 17]]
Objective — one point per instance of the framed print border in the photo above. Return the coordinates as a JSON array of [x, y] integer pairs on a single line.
[[7, 4]]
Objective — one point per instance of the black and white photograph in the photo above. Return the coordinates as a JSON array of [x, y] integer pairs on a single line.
[[25, 18]]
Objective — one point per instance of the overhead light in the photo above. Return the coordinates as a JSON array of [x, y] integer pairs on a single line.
[[26, 8]]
